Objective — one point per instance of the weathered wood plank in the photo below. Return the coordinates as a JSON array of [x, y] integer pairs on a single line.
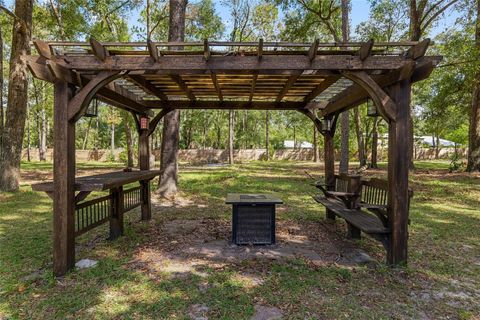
[[366, 49], [248, 105], [362, 220], [144, 160], [116, 217], [189, 64], [260, 49], [147, 86], [183, 86], [217, 86], [104, 181], [383, 102], [290, 82], [99, 51], [78, 104], [153, 51], [63, 184], [398, 167], [312, 53], [43, 49], [321, 87]]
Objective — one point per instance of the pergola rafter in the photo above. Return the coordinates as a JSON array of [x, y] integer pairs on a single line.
[[320, 80]]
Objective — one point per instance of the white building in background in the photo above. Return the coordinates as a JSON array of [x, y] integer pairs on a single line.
[[290, 144], [431, 141]]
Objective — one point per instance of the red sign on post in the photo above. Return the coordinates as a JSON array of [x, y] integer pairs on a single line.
[[144, 123]]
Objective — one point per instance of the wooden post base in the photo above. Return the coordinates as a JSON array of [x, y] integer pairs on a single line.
[[330, 215], [353, 232], [146, 203], [116, 217]]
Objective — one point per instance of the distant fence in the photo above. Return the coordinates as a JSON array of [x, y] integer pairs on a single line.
[[221, 155]]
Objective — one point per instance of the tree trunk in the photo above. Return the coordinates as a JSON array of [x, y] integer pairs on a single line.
[[267, 134], [294, 138], [129, 140], [29, 145], [415, 22], [231, 133], [360, 140], [374, 164], [41, 123], [316, 151], [344, 118], [474, 129], [437, 146], [168, 183], [2, 120], [112, 139], [85, 140], [14, 129], [415, 35]]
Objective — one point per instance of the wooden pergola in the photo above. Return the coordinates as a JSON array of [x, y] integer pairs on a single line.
[[320, 80]]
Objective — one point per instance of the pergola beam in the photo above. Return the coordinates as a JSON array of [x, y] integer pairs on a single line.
[[290, 82], [183, 86], [312, 53], [153, 51], [252, 88], [260, 49], [365, 50], [225, 105], [217, 86], [356, 95], [148, 86], [320, 88], [52, 72], [206, 50], [178, 64], [99, 51]]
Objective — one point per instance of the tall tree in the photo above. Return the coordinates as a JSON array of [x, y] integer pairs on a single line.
[[344, 120], [12, 137], [474, 129], [2, 121], [240, 10], [423, 14], [373, 163], [168, 184], [360, 139]]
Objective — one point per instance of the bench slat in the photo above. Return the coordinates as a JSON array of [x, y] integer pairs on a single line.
[[362, 220]]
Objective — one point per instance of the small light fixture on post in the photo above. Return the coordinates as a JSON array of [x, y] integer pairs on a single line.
[[326, 124], [143, 123], [92, 110], [372, 109]]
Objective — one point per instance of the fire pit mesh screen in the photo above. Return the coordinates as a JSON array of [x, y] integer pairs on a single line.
[[254, 225], [252, 197]]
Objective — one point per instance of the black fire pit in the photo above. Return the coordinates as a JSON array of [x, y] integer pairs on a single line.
[[253, 218]]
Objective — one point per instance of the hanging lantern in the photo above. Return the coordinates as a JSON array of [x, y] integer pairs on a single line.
[[144, 123], [326, 124], [371, 109], [92, 110]]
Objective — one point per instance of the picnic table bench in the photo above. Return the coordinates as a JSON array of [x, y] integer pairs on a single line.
[[92, 213], [362, 203]]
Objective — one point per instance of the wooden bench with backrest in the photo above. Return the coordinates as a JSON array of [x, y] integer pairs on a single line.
[[362, 203]]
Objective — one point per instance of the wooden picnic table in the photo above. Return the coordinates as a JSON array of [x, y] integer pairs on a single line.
[[104, 181], [92, 213]]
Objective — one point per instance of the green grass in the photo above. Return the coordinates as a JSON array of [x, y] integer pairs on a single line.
[[442, 279]]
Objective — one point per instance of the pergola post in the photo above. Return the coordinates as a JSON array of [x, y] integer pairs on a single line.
[[329, 161], [64, 182], [398, 164], [144, 163]]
